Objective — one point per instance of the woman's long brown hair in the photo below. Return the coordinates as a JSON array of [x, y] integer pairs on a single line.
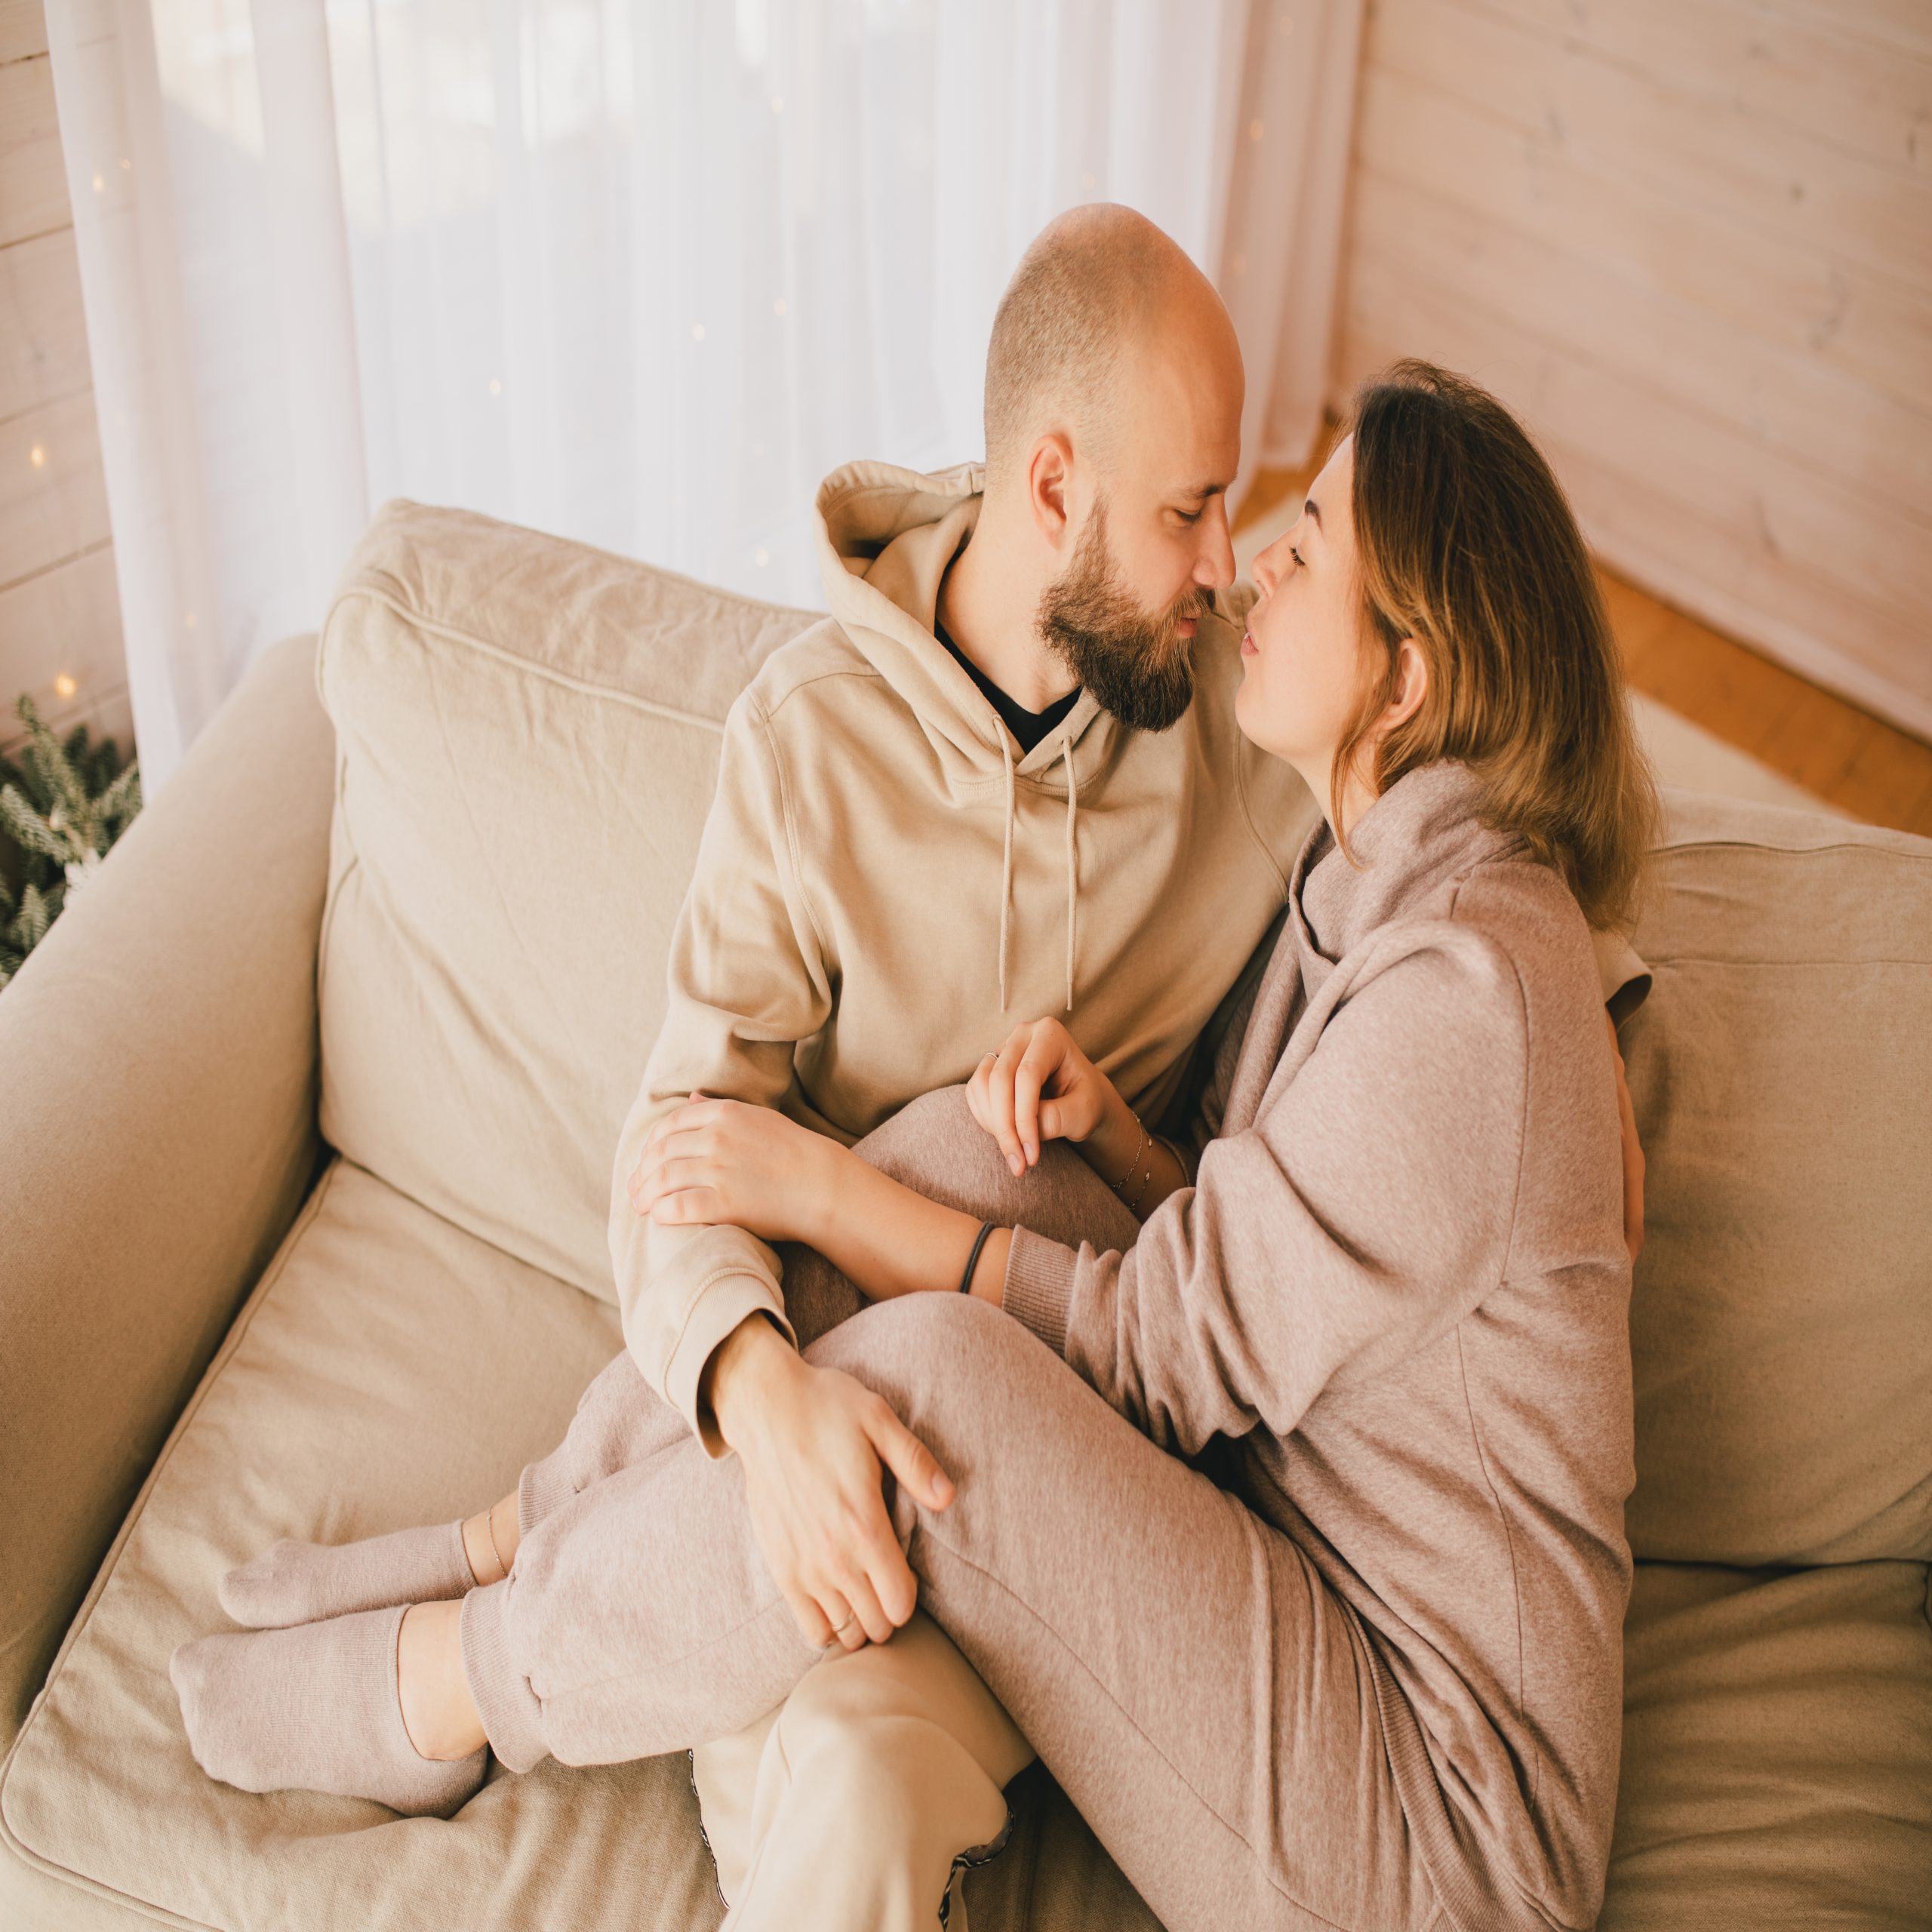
[[1466, 544]]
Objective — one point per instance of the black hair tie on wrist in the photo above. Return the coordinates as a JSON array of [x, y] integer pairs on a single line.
[[973, 1260]]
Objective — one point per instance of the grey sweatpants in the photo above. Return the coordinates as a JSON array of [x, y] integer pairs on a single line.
[[1181, 1668]]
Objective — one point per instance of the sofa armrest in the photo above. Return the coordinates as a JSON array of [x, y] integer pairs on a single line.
[[158, 1072]]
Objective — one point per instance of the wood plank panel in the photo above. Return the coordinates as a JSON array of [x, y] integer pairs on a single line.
[[1881, 332], [1794, 403], [23, 29], [1814, 527], [54, 508], [33, 182], [43, 328], [1662, 130], [1793, 72], [1900, 26]]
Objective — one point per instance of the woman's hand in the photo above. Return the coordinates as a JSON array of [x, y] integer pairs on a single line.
[[814, 1443], [1038, 1087], [729, 1161]]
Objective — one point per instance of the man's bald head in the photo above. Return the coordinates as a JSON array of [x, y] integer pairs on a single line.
[[1088, 292]]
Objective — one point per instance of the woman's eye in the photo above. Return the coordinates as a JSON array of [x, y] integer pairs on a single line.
[[1296, 554]]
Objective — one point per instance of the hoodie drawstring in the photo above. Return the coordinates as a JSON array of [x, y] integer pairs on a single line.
[[1072, 867], [1006, 876], [1072, 863]]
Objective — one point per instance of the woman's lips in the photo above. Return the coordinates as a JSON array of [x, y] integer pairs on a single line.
[[1247, 645]]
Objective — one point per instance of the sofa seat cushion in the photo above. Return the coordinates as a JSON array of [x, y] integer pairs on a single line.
[[1777, 1751], [1781, 1320], [390, 1369]]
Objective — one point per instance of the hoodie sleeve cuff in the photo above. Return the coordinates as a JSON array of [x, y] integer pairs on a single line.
[[1625, 978], [722, 1303], [1039, 1286]]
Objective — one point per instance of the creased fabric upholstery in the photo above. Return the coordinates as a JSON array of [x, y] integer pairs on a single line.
[[528, 736], [1777, 1751], [1781, 1321]]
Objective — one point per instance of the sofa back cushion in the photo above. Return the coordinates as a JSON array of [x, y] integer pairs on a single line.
[[526, 734], [1781, 1323]]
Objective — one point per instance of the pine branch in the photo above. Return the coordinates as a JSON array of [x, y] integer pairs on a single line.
[[31, 832], [63, 782], [37, 911], [122, 798]]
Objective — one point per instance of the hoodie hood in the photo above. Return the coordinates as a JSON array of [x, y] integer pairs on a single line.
[[886, 536]]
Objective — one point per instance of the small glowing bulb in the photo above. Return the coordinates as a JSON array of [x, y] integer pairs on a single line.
[[36, 456], [496, 386], [778, 103], [778, 307], [763, 557], [101, 184], [698, 331], [64, 686]]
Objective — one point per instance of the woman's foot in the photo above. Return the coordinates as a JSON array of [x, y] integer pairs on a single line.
[[319, 1708], [306, 1582]]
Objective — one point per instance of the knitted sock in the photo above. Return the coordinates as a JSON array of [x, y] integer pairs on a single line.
[[303, 1582], [314, 1709]]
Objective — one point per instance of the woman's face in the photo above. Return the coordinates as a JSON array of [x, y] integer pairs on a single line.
[[1305, 660]]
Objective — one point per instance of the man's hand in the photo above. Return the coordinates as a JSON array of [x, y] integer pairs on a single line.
[[1633, 1155], [814, 1442], [729, 1162], [1039, 1086]]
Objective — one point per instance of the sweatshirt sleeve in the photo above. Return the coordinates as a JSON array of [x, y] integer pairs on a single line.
[[747, 982], [1366, 1210]]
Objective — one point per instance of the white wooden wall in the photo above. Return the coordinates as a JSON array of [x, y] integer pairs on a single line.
[[1691, 242], [60, 612]]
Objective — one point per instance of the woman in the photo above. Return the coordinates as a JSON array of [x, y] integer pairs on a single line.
[[1376, 1681]]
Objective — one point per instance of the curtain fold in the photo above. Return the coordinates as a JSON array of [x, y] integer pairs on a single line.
[[638, 271]]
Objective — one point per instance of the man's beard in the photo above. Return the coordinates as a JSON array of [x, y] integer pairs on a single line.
[[1138, 666]]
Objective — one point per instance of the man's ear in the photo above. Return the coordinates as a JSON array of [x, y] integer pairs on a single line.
[[1411, 685], [1049, 475]]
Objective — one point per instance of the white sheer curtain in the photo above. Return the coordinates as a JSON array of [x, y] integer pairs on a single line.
[[639, 271]]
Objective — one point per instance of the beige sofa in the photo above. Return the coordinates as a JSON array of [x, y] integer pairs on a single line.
[[306, 1107]]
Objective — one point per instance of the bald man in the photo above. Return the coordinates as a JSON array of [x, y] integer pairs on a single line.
[[1002, 780]]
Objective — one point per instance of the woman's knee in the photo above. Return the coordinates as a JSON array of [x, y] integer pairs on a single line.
[[963, 1375]]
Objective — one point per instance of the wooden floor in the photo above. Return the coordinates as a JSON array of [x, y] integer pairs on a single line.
[[1870, 769]]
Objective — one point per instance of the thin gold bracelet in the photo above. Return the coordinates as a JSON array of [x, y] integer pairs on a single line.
[[1133, 1206]]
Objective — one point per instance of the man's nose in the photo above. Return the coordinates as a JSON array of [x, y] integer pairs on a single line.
[[1215, 567]]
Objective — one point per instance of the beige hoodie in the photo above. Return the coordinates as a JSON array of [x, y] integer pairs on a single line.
[[885, 887]]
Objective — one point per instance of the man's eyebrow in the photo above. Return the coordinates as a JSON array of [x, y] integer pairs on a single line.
[[1204, 491]]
